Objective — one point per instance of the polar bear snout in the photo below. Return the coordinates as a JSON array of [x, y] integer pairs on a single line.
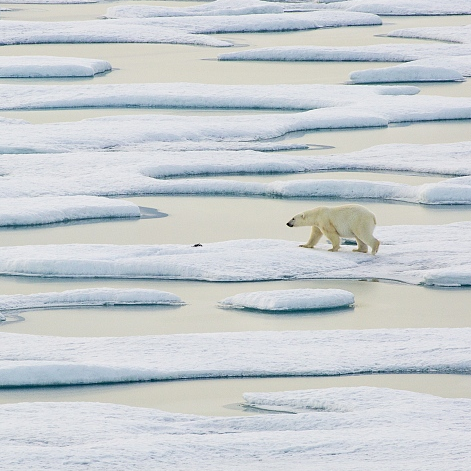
[[290, 223]]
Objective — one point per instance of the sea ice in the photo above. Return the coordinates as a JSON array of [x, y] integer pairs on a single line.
[[408, 253], [156, 171], [175, 30], [401, 7], [48, 209], [218, 7], [333, 429], [456, 34], [50, 66], [290, 300], [38, 360], [402, 73], [370, 53], [86, 297], [191, 95], [356, 111]]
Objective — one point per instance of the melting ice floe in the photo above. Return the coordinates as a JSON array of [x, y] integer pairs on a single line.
[[193, 95], [135, 173], [46, 210], [30, 360], [401, 7], [176, 30], [406, 429], [218, 7], [407, 253], [412, 72], [434, 62], [49, 66], [86, 297], [290, 300], [101, 133], [370, 53]]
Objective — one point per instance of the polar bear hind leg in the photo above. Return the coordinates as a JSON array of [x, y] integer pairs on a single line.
[[361, 247]]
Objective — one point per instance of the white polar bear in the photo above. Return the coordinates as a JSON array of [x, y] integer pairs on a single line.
[[348, 220]]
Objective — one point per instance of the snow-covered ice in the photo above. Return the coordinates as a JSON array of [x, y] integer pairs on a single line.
[[218, 7], [175, 30], [336, 429], [370, 53], [191, 95], [33, 360], [401, 7], [358, 111], [290, 300], [50, 66], [407, 73], [86, 297], [47, 209], [156, 171], [455, 34], [408, 253]]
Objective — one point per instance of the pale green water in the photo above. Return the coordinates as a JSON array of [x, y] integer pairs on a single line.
[[207, 219]]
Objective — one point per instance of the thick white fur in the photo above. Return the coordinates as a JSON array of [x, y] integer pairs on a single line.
[[348, 220]]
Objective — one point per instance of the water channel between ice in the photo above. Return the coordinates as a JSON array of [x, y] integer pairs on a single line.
[[206, 219]]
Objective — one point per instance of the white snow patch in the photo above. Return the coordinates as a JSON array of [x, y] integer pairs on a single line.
[[406, 73], [354, 111], [335, 429], [290, 300], [456, 34], [401, 7], [190, 95], [30, 360], [165, 172], [175, 30], [218, 7], [86, 297], [50, 66], [369, 53], [47, 209], [407, 253]]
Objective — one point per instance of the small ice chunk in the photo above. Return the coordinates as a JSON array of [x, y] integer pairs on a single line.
[[290, 300]]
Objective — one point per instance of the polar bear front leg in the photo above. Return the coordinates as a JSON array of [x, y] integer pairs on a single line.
[[316, 234]]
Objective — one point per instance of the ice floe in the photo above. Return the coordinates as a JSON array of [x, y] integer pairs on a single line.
[[176, 30], [50, 66], [333, 430], [290, 300], [47, 209], [190, 95], [401, 7], [455, 34], [370, 53], [86, 297], [36, 360], [407, 73], [408, 253], [114, 131], [168, 172], [218, 7]]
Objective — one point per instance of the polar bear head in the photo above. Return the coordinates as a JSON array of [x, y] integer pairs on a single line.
[[298, 220]]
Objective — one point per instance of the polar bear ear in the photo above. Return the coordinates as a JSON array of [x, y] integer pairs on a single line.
[[302, 215]]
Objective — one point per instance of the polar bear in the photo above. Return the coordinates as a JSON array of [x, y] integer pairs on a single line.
[[348, 220]]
